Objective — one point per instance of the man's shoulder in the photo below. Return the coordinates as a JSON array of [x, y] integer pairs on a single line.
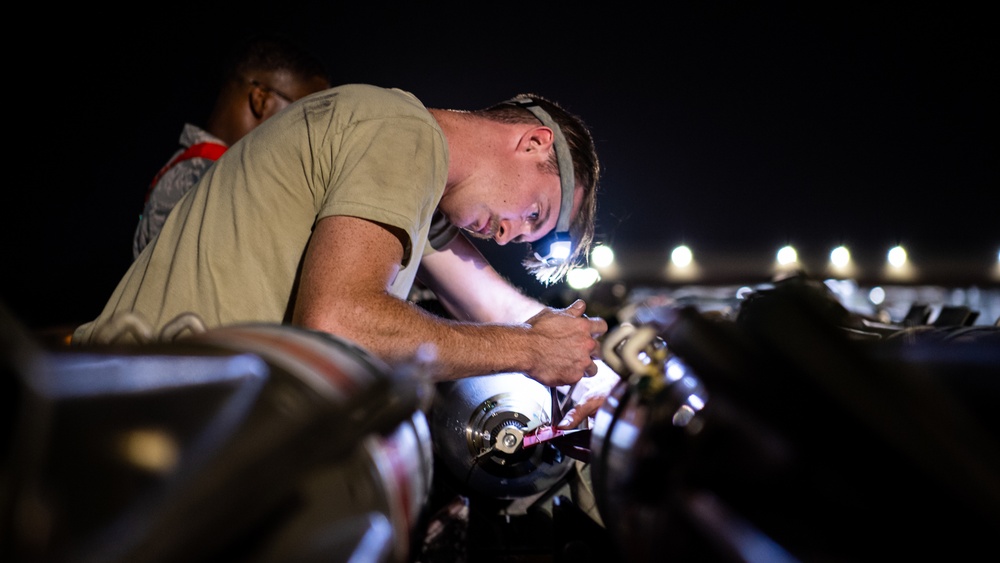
[[370, 91], [192, 135], [370, 99]]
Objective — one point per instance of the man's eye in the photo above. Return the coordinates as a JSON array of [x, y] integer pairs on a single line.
[[533, 217]]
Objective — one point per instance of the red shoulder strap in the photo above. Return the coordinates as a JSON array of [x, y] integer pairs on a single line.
[[208, 149]]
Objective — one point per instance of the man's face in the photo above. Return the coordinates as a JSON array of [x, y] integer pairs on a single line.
[[519, 206]]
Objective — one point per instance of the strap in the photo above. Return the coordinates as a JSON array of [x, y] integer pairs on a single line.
[[208, 149], [563, 158]]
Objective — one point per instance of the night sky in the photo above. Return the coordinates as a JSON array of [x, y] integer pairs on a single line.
[[734, 129]]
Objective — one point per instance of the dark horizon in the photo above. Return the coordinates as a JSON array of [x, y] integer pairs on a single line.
[[733, 130]]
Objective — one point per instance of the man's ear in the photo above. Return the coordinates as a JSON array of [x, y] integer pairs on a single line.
[[257, 98], [538, 138]]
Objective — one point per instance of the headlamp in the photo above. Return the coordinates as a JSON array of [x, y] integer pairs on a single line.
[[555, 247]]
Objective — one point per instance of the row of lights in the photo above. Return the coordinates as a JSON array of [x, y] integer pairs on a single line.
[[602, 257]]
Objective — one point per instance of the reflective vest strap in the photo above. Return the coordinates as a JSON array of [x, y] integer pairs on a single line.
[[209, 150]]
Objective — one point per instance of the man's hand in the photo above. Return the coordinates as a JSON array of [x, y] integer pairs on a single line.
[[565, 344], [589, 394]]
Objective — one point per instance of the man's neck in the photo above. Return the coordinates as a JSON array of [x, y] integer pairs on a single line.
[[454, 124], [474, 143]]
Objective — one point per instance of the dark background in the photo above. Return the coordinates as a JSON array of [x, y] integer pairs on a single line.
[[732, 128]]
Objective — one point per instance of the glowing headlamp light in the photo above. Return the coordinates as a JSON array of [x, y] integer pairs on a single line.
[[555, 247]]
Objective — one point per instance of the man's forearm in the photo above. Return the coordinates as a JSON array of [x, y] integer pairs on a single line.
[[395, 330]]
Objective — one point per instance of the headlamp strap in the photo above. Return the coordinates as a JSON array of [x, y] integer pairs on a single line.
[[567, 181]]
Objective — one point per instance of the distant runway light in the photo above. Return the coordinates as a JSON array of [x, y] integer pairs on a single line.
[[897, 256], [681, 256], [787, 255], [876, 295], [602, 256], [582, 278], [840, 256]]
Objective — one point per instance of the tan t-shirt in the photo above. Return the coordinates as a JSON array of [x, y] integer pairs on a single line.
[[231, 249]]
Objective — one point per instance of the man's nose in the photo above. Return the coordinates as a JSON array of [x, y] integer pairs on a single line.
[[505, 232]]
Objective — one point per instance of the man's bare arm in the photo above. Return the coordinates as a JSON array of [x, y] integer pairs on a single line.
[[343, 290], [470, 288]]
